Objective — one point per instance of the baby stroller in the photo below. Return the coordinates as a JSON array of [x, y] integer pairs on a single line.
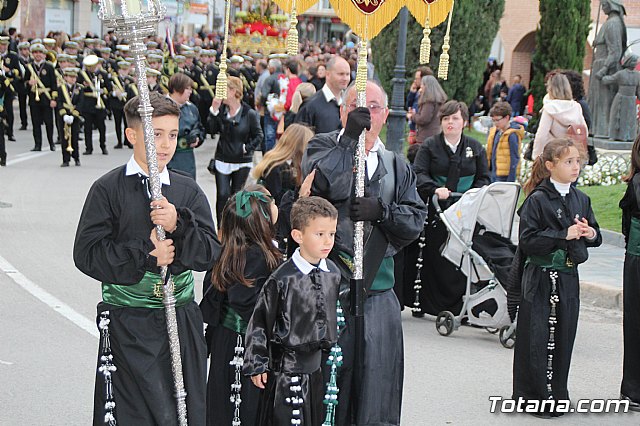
[[479, 229]]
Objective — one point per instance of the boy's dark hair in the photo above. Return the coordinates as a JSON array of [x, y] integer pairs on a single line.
[[576, 82], [179, 82], [451, 107], [425, 71], [412, 151], [308, 208], [292, 66], [500, 109], [161, 104]]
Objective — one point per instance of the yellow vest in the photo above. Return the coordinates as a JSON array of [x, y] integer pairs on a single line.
[[503, 155]]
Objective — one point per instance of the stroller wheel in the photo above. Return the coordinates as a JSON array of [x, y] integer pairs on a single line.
[[445, 322], [507, 337], [492, 330]]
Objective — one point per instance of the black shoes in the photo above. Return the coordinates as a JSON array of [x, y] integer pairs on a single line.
[[633, 405], [418, 314], [12, 138], [119, 146], [87, 152], [52, 147], [128, 145], [3, 161], [36, 149], [104, 151], [64, 164], [23, 128], [77, 162]]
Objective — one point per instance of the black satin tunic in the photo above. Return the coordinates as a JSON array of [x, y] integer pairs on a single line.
[[294, 319]]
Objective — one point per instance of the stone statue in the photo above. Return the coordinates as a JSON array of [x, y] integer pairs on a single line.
[[623, 119], [609, 44]]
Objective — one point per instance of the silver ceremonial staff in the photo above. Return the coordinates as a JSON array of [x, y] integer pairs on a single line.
[[131, 22]]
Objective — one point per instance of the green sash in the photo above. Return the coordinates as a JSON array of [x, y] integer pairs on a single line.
[[557, 260], [464, 183], [633, 245], [232, 320], [148, 292], [384, 278]]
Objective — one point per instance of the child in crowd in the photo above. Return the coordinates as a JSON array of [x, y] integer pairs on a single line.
[[557, 225], [295, 320], [503, 144], [630, 205], [231, 290], [116, 243]]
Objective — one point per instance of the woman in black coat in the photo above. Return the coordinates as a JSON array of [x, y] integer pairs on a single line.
[[447, 162], [240, 134]]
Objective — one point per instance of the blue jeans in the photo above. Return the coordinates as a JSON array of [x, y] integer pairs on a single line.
[[270, 126], [495, 178]]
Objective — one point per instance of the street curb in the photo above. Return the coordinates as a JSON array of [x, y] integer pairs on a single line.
[[612, 238], [601, 296]]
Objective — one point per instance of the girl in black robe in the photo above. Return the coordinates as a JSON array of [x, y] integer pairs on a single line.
[[630, 205], [231, 290], [556, 227], [437, 166]]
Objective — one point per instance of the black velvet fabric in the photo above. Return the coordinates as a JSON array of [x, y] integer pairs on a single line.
[[143, 386]]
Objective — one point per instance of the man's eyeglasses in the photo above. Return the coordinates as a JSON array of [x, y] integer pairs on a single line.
[[373, 108], [497, 119]]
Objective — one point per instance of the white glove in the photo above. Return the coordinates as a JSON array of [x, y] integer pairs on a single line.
[[68, 119]]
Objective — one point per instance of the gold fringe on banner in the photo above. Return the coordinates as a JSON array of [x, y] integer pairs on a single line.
[[443, 68], [435, 12], [354, 17], [301, 6], [425, 44], [292, 35], [221, 80]]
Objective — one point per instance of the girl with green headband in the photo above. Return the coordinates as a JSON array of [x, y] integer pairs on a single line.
[[231, 289]]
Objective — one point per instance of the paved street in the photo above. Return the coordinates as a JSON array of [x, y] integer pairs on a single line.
[[49, 341]]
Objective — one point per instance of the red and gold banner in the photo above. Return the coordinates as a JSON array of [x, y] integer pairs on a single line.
[[301, 5], [367, 18]]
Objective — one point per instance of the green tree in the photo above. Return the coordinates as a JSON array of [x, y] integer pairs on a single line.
[[473, 28], [560, 40]]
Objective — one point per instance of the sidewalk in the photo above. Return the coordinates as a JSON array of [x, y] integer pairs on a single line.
[[601, 275]]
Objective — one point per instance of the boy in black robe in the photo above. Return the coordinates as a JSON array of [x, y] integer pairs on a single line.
[[295, 319], [115, 245]]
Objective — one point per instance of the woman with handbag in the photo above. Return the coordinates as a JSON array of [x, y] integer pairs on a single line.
[[240, 135]]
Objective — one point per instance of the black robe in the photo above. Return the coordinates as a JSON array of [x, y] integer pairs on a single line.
[[293, 322], [545, 217], [222, 341], [630, 205], [442, 282], [112, 245]]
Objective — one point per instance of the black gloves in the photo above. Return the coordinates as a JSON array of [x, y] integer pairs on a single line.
[[357, 120], [366, 209]]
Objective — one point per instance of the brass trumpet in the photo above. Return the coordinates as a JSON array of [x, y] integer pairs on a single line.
[[37, 93]]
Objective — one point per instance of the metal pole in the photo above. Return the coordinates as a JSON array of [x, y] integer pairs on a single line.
[[397, 120]]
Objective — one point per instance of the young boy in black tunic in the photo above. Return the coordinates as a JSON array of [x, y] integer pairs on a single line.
[[294, 320], [116, 244]]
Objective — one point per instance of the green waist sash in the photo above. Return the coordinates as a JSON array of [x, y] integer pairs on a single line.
[[384, 278], [633, 244], [557, 260], [232, 320], [148, 292], [464, 182]]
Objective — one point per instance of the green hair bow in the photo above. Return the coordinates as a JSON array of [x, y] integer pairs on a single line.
[[243, 203]]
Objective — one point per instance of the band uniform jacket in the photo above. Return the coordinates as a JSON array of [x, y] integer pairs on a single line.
[[47, 75], [10, 60], [89, 101]]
